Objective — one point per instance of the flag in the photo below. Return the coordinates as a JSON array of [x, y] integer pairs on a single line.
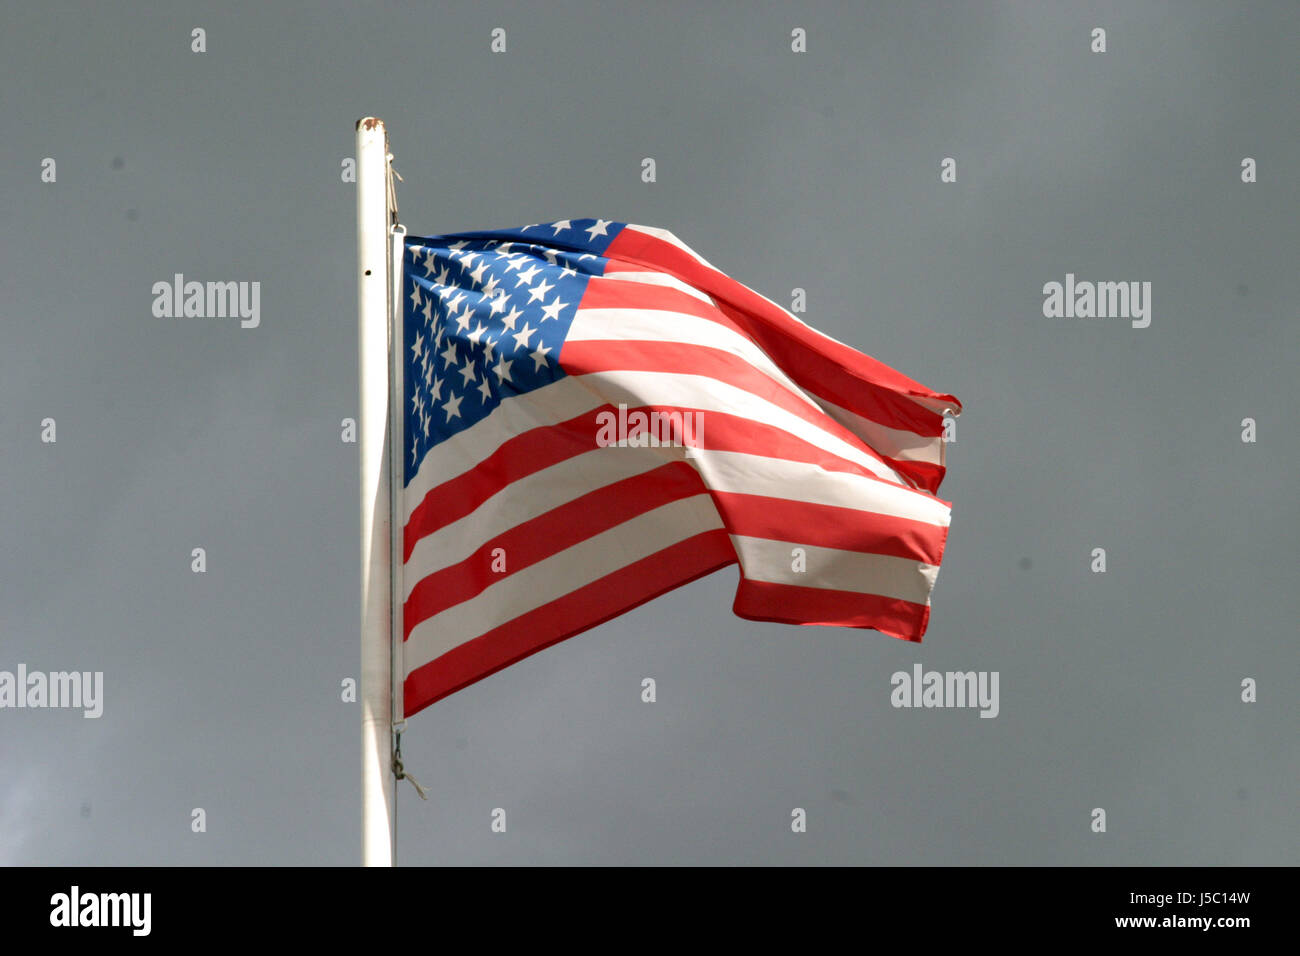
[[595, 415]]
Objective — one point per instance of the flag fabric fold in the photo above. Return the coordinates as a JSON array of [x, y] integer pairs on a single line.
[[594, 415]]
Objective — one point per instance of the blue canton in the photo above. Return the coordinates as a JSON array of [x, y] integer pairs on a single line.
[[484, 318]]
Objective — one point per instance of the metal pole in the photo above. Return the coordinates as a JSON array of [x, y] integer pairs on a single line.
[[374, 285]]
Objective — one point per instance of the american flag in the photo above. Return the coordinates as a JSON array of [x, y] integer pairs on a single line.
[[528, 354]]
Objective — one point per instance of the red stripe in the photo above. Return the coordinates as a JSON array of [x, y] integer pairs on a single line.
[[528, 453], [517, 457], [621, 294], [874, 404], [723, 431], [613, 294], [829, 369], [792, 604], [830, 526], [582, 358], [588, 606], [622, 265], [927, 475], [548, 534]]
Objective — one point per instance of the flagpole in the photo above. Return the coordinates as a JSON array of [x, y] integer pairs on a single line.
[[374, 291]]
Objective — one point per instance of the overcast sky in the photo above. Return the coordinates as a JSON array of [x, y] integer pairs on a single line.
[[820, 170]]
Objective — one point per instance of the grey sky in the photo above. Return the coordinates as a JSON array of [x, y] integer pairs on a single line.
[[819, 170]]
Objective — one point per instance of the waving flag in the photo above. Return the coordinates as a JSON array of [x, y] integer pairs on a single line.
[[594, 415]]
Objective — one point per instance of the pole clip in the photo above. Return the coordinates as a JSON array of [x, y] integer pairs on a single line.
[[399, 770]]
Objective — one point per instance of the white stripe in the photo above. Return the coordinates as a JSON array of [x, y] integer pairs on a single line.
[[710, 395], [939, 406], [763, 559], [740, 473], [575, 394], [894, 443], [569, 397], [659, 279], [654, 325], [556, 576], [668, 237], [548, 405], [525, 499], [724, 471]]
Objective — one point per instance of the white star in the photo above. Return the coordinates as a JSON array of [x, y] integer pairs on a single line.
[[503, 369], [413, 453], [510, 320], [452, 407], [415, 295], [467, 259], [503, 250], [415, 252], [485, 390], [454, 304], [523, 335], [415, 402], [418, 347], [467, 373], [513, 262], [424, 423], [428, 310], [428, 369], [540, 292], [526, 277], [491, 287], [552, 311], [539, 356], [477, 333], [568, 272], [560, 226], [477, 274], [599, 228], [550, 257], [441, 277], [458, 246], [429, 261], [435, 395], [462, 320], [588, 255], [449, 354], [498, 304]]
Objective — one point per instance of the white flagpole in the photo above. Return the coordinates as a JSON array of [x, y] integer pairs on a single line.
[[374, 284]]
